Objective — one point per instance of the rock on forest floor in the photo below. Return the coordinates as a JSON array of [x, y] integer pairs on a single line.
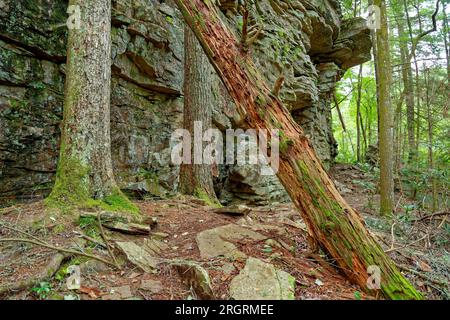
[[198, 252]]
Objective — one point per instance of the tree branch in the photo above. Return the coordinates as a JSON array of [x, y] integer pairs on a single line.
[[425, 33]]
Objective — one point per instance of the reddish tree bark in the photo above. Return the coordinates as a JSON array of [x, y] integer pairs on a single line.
[[339, 229]]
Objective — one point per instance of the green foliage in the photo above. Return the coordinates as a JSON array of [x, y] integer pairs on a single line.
[[347, 95], [203, 195], [72, 190], [90, 227], [43, 290], [71, 186], [169, 19], [62, 273]]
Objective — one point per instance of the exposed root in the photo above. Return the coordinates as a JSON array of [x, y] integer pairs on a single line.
[[47, 273]]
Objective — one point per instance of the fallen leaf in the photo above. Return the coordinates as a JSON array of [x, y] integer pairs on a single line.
[[424, 267], [91, 292]]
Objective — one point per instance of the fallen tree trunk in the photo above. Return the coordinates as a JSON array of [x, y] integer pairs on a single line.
[[337, 228]]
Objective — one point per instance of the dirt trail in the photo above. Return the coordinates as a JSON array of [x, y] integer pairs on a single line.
[[182, 223]]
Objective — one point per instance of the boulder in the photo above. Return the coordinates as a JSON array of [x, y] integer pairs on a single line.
[[218, 241], [139, 256], [262, 281]]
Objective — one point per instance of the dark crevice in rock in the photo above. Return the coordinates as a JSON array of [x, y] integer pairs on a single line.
[[38, 53]]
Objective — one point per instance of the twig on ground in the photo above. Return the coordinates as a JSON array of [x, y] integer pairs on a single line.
[[406, 245], [392, 236], [442, 222], [102, 232], [49, 246], [398, 203], [421, 275], [434, 215], [21, 232], [82, 235]]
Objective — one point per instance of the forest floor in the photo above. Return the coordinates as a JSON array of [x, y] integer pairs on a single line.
[[186, 230]]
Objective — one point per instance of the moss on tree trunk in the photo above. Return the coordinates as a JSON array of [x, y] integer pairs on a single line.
[[84, 175], [338, 228], [196, 178]]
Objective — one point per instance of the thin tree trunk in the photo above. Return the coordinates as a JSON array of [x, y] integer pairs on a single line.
[[338, 229], [408, 92], [430, 143], [375, 54], [364, 136], [344, 128], [197, 178], [386, 114], [85, 166], [358, 116], [446, 42], [398, 132]]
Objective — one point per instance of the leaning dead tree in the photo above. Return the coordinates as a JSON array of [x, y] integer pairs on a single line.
[[337, 228]]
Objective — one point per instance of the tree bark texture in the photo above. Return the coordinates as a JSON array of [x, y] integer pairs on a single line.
[[85, 166], [385, 115], [197, 179], [338, 229]]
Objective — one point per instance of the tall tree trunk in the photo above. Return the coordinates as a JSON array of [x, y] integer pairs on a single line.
[[434, 197], [398, 133], [338, 229], [446, 42], [85, 166], [358, 115], [408, 91], [197, 178], [373, 36], [386, 114]]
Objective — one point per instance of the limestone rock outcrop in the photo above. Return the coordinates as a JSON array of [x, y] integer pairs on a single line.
[[305, 40]]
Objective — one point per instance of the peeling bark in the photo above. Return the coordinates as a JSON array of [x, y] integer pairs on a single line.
[[339, 229]]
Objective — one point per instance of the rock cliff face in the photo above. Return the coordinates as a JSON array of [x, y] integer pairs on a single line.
[[305, 40]]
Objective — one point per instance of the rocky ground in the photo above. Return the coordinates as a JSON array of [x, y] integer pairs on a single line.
[[197, 252]]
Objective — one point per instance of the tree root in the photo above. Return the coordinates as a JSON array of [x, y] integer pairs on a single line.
[[108, 246], [47, 273], [49, 246]]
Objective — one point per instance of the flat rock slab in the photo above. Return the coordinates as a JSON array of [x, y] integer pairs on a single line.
[[218, 241], [119, 293], [139, 256], [152, 286], [154, 247], [262, 281], [234, 210]]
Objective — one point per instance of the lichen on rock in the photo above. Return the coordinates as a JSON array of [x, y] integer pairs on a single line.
[[308, 42]]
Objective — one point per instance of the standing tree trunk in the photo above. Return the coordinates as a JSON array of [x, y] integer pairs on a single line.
[[434, 196], [358, 116], [385, 114], [408, 90], [84, 171], [373, 36], [339, 229], [197, 178], [446, 35]]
